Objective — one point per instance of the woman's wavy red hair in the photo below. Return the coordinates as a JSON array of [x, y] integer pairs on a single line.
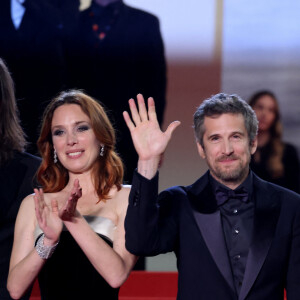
[[108, 169]]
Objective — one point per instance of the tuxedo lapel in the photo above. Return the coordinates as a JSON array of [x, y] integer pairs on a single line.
[[208, 219], [211, 229], [266, 215]]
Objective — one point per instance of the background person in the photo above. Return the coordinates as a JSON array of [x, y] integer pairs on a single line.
[[117, 51], [274, 160], [107, 57], [17, 171], [81, 252], [32, 34]]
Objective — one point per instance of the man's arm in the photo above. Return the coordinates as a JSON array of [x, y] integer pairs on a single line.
[[151, 222], [145, 231]]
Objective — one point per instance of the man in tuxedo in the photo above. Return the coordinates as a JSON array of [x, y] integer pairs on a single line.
[[235, 236]]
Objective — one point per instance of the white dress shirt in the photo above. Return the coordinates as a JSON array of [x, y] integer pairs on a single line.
[[17, 12]]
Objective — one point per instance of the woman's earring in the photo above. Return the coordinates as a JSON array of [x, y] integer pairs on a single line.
[[55, 156], [102, 150]]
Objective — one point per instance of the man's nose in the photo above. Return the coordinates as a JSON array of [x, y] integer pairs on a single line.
[[227, 147]]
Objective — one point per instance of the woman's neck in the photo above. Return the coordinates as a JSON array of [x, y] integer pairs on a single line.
[[85, 182]]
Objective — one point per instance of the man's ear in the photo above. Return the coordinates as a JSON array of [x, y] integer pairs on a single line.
[[201, 150], [253, 146]]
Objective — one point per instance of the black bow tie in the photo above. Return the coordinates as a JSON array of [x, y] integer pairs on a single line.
[[222, 195]]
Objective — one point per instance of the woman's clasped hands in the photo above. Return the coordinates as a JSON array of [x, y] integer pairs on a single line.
[[50, 217]]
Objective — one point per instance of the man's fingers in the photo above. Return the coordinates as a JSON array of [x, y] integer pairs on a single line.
[[142, 107], [128, 121], [172, 127], [134, 112], [141, 115], [151, 110]]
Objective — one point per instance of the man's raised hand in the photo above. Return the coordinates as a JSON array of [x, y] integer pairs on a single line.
[[148, 139]]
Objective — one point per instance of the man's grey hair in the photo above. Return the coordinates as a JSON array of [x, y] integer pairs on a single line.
[[220, 104]]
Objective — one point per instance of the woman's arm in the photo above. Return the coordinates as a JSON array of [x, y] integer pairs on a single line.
[[114, 264], [25, 262]]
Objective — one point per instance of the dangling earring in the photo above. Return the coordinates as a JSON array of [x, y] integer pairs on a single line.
[[102, 150], [54, 156]]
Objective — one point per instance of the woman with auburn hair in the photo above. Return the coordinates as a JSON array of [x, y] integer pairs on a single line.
[[70, 233], [274, 160]]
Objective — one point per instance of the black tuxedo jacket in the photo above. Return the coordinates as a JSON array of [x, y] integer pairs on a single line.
[[186, 220], [16, 182]]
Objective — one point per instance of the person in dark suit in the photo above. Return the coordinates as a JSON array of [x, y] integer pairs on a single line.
[[118, 52], [31, 43], [235, 235], [17, 170]]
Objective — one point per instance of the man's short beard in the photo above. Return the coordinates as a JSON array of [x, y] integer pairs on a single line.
[[231, 176]]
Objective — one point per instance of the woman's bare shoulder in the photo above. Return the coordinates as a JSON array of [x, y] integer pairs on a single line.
[[121, 198], [27, 202], [126, 188], [26, 214], [123, 193]]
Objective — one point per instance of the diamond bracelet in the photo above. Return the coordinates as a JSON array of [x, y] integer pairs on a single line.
[[43, 251]]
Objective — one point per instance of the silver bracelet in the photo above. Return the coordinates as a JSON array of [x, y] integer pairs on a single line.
[[43, 251]]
